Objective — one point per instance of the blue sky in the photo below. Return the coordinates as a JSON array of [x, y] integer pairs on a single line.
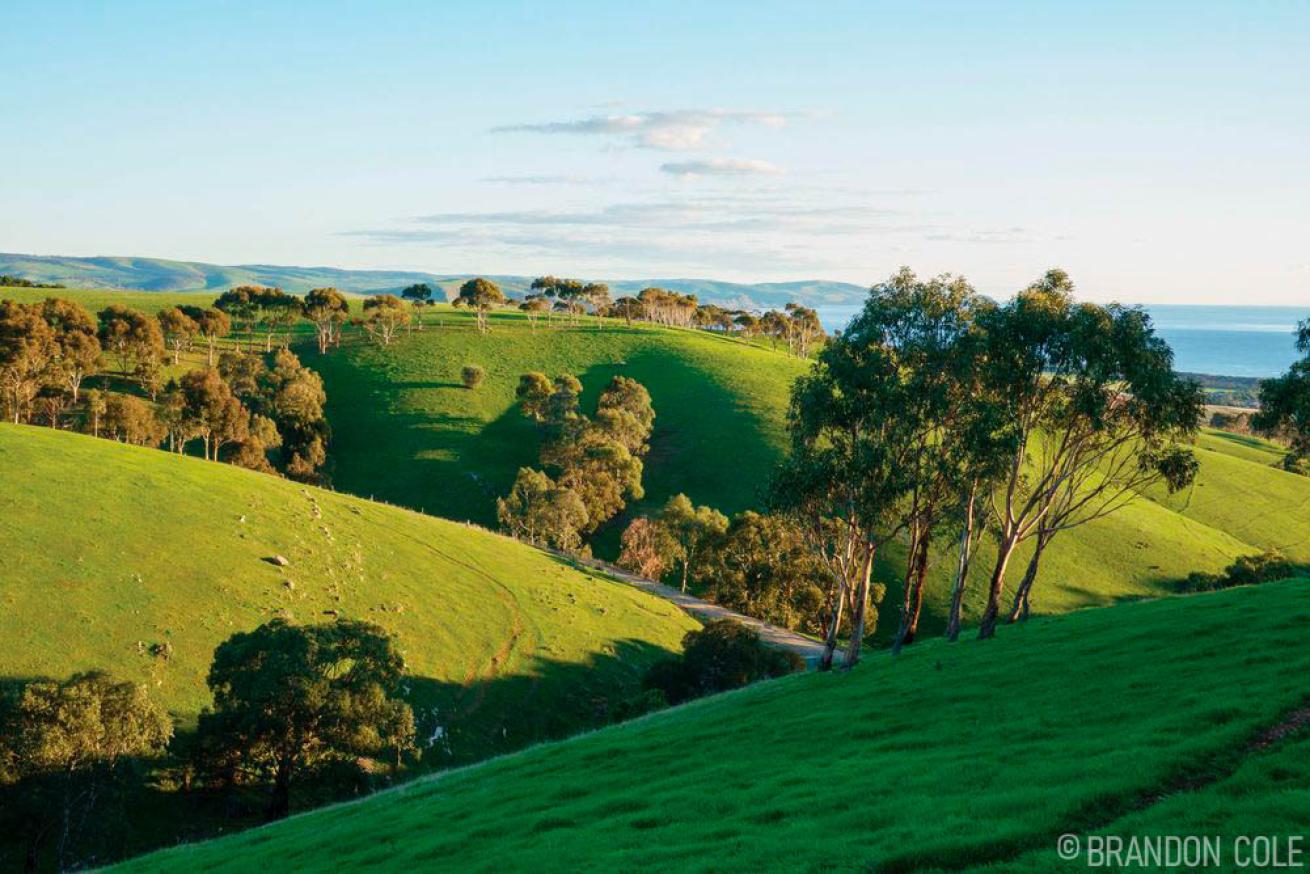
[[1159, 152]]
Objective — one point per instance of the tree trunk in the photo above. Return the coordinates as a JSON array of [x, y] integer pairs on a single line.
[[987, 627], [834, 625], [961, 574], [920, 576], [210, 344], [1022, 595], [279, 806], [860, 607]]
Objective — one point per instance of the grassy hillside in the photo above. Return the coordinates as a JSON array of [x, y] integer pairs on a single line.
[[1240, 492], [950, 756], [111, 549], [405, 428]]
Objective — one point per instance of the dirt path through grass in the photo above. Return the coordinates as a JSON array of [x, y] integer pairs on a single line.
[[780, 638]]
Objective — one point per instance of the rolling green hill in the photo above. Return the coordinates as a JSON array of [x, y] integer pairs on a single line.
[[949, 757], [110, 550], [406, 430]]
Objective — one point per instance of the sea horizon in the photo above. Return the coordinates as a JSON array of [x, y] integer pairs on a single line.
[[1214, 339]]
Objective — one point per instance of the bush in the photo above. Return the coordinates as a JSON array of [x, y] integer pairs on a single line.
[[1248, 570], [721, 656], [473, 375]]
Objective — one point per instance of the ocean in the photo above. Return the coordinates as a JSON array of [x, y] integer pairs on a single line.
[[1253, 341]]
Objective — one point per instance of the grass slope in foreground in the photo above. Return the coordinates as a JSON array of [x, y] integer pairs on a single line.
[[111, 549], [949, 756]]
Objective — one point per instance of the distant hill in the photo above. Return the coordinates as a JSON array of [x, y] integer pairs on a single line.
[[159, 274]]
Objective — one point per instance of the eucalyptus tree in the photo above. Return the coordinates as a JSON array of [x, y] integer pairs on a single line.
[[179, 330], [384, 315], [242, 306], [850, 466], [77, 350], [533, 306], [1285, 404], [481, 296], [211, 324], [1099, 412], [419, 296], [694, 529], [327, 310]]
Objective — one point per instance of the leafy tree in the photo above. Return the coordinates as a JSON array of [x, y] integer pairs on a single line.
[[763, 567], [289, 699], [77, 352], [129, 419], [212, 325], [647, 548], [628, 309], [384, 315], [131, 336], [542, 512], [419, 296], [533, 392], [625, 414], [213, 412], [95, 411], [327, 310], [481, 296], [472, 375], [28, 348], [721, 656], [276, 310], [694, 529], [1285, 404], [533, 306], [241, 304], [598, 295], [1100, 416], [179, 330], [65, 746]]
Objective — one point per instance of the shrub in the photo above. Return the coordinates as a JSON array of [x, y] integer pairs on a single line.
[[1248, 570], [721, 656], [473, 375]]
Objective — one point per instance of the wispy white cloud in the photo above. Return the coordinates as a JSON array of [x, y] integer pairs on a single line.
[[721, 167], [674, 130]]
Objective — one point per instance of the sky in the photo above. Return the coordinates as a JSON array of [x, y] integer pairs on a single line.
[[1159, 152]]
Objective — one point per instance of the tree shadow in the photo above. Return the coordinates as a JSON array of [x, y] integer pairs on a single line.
[[457, 725]]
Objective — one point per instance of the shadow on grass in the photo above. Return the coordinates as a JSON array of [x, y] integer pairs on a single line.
[[458, 724]]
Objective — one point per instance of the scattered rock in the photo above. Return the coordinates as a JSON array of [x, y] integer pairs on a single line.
[[241, 518], [278, 560], [290, 584]]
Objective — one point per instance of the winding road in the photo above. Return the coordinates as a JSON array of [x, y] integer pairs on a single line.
[[780, 638]]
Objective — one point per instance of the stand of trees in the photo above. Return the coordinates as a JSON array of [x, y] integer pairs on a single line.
[[597, 461], [260, 410], [295, 708], [938, 412]]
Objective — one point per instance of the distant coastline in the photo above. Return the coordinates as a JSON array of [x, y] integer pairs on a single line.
[[1254, 342]]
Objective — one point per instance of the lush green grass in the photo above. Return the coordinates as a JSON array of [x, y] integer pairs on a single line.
[[405, 428], [1245, 446], [97, 299], [1268, 794], [948, 756], [1261, 505], [406, 431], [110, 549]]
